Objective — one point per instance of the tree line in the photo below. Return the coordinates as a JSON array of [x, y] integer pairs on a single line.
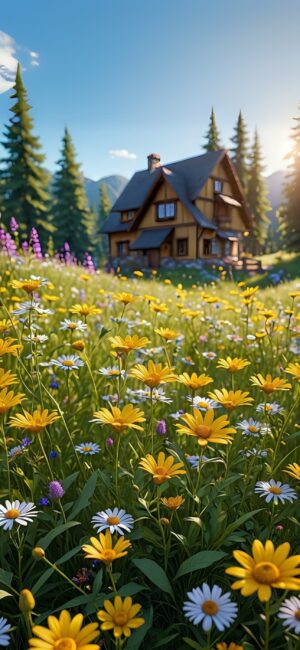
[[63, 214]]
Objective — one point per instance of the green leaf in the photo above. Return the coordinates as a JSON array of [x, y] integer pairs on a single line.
[[39, 584], [200, 560], [236, 524], [67, 482], [67, 556], [59, 530], [131, 589], [166, 640], [85, 496], [155, 574], [6, 577], [193, 644], [138, 636], [97, 584]]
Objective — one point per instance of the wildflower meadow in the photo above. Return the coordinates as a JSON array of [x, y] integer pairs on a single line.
[[149, 460]]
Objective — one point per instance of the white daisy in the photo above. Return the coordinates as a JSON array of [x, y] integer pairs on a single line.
[[67, 362], [116, 520], [275, 490], [270, 408], [5, 628], [289, 612], [72, 325], [88, 448], [208, 606], [112, 371], [249, 427], [16, 512], [203, 403]]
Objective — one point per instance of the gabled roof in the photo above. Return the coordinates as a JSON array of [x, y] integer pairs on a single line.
[[187, 177]]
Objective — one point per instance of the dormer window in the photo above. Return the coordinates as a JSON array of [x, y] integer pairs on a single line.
[[165, 210], [218, 186], [127, 216]]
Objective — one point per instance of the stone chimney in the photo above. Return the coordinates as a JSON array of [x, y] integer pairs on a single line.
[[153, 161]]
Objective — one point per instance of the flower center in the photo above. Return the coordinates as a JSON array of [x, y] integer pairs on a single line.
[[67, 362], [210, 607], [12, 514], [266, 573], [203, 405], [86, 448], [297, 615], [268, 387], [108, 555], [160, 470], [65, 644], [72, 326], [113, 521], [120, 617], [202, 431], [233, 367], [228, 405], [275, 490], [253, 429]]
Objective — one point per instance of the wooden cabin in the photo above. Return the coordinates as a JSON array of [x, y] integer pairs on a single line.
[[186, 210]]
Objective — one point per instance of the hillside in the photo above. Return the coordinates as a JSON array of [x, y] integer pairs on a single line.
[[115, 185]]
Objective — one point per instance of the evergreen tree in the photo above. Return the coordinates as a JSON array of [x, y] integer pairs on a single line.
[[212, 136], [239, 152], [104, 209], [23, 181], [257, 196], [289, 213], [70, 209]]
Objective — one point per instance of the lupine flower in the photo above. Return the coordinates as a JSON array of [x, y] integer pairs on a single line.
[[208, 606]]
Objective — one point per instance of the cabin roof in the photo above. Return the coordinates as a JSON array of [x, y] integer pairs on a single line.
[[187, 178]]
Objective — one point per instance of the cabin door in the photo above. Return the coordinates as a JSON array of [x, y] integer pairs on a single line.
[[154, 257]]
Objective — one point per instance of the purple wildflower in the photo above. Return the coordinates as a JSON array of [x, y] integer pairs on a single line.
[[56, 490], [14, 226], [35, 244], [161, 428]]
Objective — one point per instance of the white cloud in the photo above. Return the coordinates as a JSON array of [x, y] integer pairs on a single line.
[[8, 62], [122, 153], [34, 58]]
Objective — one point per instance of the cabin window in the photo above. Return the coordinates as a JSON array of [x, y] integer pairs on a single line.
[[165, 210], [215, 247], [182, 247], [218, 185], [207, 246], [122, 248], [127, 216]]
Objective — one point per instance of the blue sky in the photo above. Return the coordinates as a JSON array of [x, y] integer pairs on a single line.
[[138, 76]]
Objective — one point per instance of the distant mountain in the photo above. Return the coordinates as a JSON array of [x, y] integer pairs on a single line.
[[115, 185]]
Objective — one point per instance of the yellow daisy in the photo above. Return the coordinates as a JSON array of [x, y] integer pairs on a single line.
[[167, 334], [28, 285], [8, 346], [163, 468], [233, 365], [118, 419], [267, 568], [7, 378], [294, 369], [9, 399], [128, 343], [173, 503], [35, 422], [120, 616], [65, 633], [153, 374], [268, 384], [102, 549], [85, 310], [205, 428], [293, 470], [194, 381], [230, 399]]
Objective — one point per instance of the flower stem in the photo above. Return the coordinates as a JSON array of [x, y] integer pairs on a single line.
[[267, 627]]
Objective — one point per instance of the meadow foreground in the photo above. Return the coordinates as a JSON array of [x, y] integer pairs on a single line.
[[149, 462]]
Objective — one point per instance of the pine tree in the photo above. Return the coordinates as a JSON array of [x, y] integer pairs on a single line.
[[212, 136], [257, 196], [24, 182], [239, 152], [71, 215], [289, 213], [104, 209]]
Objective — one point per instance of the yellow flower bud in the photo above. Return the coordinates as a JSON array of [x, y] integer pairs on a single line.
[[26, 601], [165, 521], [78, 345], [38, 553]]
